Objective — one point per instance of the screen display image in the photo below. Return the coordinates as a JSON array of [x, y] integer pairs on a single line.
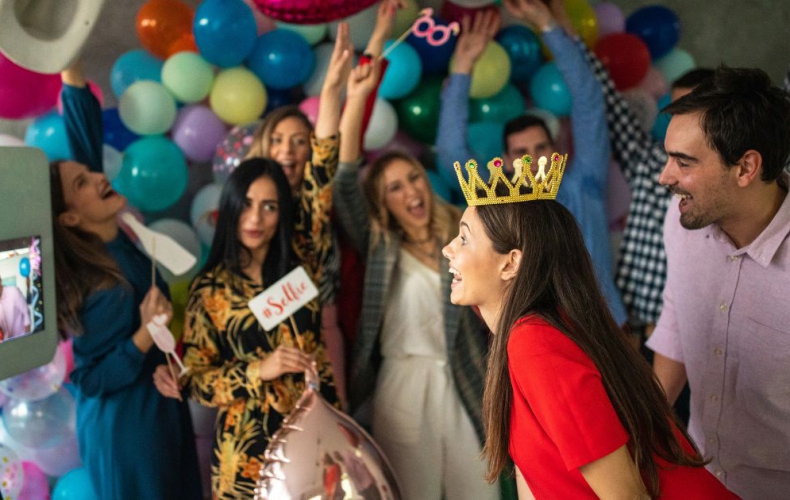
[[21, 298]]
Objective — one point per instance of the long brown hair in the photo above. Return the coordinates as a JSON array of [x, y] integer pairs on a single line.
[[82, 265], [261, 142], [444, 217], [556, 281]]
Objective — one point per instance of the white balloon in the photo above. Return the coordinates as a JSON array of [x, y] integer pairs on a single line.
[[10, 140], [313, 33], [113, 159], [383, 125], [360, 26], [201, 214]]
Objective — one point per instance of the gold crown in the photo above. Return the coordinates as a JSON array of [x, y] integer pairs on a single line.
[[543, 185]]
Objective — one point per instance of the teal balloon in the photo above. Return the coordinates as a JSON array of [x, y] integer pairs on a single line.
[[524, 50], [403, 72], [134, 66], [673, 65], [24, 267], [418, 112], [485, 141], [659, 131], [49, 133], [147, 108], [154, 173], [74, 485], [505, 105], [313, 33], [549, 90], [440, 188]]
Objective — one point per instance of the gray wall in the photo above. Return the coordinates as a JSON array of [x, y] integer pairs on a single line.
[[736, 32]]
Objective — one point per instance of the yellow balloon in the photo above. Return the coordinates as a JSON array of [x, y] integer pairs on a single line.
[[238, 96], [405, 17], [179, 293], [582, 17], [490, 73]]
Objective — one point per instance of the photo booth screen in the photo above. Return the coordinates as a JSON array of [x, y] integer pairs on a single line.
[[21, 292]]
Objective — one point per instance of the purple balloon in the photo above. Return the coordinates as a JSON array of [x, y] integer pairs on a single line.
[[197, 131], [610, 18]]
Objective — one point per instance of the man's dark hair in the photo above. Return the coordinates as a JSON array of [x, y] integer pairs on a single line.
[[693, 78], [520, 123], [741, 110]]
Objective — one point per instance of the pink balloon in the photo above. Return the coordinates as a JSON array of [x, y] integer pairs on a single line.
[[24, 93], [310, 107], [68, 354], [610, 18], [36, 486], [654, 83], [263, 22], [311, 11], [198, 131], [95, 90], [401, 142]]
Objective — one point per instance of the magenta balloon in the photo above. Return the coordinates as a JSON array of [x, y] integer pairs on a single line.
[[198, 131], [35, 485], [24, 93], [610, 18], [310, 108], [311, 11]]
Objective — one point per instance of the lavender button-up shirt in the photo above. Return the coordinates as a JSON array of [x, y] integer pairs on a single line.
[[726, 318]]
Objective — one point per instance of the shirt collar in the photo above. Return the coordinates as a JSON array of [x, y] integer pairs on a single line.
[[765, 246]]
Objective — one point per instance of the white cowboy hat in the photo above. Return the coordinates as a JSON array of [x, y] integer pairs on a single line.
[[46, 36]]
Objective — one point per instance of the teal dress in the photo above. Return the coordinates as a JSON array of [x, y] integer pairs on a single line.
[[134, 442]]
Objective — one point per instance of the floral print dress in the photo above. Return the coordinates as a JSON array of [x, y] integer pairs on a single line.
[[222, 340]]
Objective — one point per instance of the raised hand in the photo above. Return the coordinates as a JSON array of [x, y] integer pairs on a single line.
[[385, 19], [534, 12], [474, 38], [363, 80], [340, 62]]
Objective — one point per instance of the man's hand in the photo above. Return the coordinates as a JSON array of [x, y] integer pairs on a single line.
[[474, 39]]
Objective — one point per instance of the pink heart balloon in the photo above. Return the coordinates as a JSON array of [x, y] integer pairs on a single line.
[[315, 447], [311, 11]]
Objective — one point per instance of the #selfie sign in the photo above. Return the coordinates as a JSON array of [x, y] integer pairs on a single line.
[[278, 302]]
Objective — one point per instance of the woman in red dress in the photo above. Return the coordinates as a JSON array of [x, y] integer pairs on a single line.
[[566, 396]]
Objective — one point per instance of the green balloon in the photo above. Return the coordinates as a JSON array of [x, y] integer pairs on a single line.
[[188, 77], [505, 105], [418, 112]]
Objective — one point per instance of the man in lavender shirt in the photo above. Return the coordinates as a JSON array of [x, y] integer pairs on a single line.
[[725, 325]]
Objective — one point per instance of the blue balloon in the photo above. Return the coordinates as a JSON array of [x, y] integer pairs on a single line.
[[24, 267], [225, 31], [485, 141], [403, 72], [549, 90], [282, 59], [115, 132], [657, 26], [524, 50], [659, 131], [435, 60], [133, 66], [74, 485], [49, 133], [154, 173], [277, 98]]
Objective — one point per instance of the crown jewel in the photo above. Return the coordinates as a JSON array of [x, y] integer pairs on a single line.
[[542, 186]]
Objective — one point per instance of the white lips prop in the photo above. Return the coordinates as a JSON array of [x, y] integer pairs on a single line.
[[160, 247], [164, 339]]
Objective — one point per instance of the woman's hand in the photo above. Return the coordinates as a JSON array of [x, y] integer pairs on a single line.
[[363, 80], [153, 304], [340, 62], [473, 40], [385, 19], [164, 383], [283, 360], [534, 12]]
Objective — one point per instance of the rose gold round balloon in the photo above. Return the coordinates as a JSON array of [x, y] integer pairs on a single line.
[[311, 11], [320, 452]]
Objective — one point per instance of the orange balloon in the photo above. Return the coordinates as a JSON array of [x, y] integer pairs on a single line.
[[184, 44], [161, 23]]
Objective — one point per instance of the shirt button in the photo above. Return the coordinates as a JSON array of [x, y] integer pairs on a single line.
[[712, 440], [719, 472], [714, 398], [718, 351], [723, 307], [733, 258]]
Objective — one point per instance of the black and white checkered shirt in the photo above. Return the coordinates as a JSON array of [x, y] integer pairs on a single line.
[[641, 266]]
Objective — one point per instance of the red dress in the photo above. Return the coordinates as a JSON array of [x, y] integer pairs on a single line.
[[561, 419]]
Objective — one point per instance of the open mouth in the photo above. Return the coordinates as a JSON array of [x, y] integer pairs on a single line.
[[417, 209], [685, 199], [108, 192], [456, 277]]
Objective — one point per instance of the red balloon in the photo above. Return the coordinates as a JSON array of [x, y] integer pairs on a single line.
[[453, 12], [311, 11], [24, 93], [161, 23], [626, 57]]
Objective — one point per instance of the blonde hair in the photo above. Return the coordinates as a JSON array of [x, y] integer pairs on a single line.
[[261, 142], [383, 226]]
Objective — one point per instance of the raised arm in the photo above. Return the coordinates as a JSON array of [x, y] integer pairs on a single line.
[[82, 118], [451, 137], [339, 67]]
